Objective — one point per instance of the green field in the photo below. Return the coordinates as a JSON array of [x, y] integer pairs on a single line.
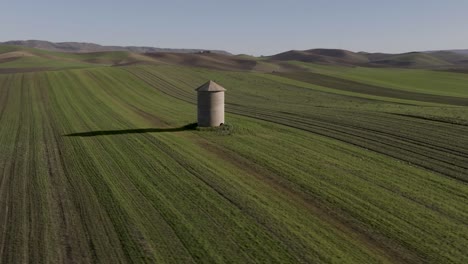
[[101, 164]]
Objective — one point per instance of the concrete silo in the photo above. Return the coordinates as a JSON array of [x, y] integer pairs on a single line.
[[210, 98]]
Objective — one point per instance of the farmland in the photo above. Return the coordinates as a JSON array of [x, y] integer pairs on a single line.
[[99, 162]]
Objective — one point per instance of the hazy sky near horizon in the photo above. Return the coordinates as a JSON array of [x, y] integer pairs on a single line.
[[255, 27]]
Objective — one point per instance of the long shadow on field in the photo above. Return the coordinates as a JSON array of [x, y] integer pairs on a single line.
[[133, 131]]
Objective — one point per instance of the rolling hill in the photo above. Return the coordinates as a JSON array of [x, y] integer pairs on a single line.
[[405, 60], [100, 160], [410, 60], [455, 60], [449, 59], [222, 62], [457, 51], [329, 56], [91, 47], [13, 58]]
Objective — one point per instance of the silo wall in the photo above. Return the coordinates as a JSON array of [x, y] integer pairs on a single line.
[[210, 109]]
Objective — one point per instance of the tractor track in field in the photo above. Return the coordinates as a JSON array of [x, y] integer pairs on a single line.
[[296, 193], [395, 146], [154, 120], [230, 197], [337, 221], [430, 119], [187, 166], [414, 143], [3, 97], [12, 201], [4, 192], [378, 132], [358, 87], [264, 194], [24, 70]]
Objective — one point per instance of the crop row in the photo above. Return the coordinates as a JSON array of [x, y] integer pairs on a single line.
[[437, 146]]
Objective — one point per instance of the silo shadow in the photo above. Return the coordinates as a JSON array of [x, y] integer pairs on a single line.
[[192, 126]]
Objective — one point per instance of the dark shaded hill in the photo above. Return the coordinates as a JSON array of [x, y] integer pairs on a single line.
[[457, 58], [332, 56], [14, 57], [411, 59], [210, 60], [82, 47], [359, 87], [222, 62], [24, 59], [456, 51], [436, 59]]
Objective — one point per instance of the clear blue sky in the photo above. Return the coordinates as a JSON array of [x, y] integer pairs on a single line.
[[253, 27]]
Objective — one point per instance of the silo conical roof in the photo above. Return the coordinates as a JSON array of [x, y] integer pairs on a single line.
[[210, 86]]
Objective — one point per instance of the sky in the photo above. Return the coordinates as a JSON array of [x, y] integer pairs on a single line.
[[254, 27]]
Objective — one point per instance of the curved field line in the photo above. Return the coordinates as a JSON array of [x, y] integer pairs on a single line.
[[353, 86], [422, 151]]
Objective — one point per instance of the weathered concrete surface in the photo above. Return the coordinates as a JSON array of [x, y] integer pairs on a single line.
[[210, 105]]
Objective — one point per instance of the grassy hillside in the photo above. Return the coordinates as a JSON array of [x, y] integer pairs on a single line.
[[101, 164], [329, 56], [412, 59], [414, 80], [419, 60], [14, 59], [82, 47]]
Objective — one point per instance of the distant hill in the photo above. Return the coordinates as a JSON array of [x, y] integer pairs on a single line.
[[24, 59], [81, 47], [411, 59], [434, 59], [461, 51], [13, 57], [457, 51], [331, 56], [216, 61]]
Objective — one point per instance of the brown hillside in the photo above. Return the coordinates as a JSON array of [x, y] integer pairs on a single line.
[[207, 60], [332, 56], [221, 62]]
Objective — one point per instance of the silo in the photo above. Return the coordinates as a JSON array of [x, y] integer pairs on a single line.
[[210, 98]]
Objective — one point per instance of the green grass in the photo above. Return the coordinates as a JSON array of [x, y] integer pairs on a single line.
[[423, 81], [97, 165], [415, 60], [38, 62], [36, 59], [8, 48]]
